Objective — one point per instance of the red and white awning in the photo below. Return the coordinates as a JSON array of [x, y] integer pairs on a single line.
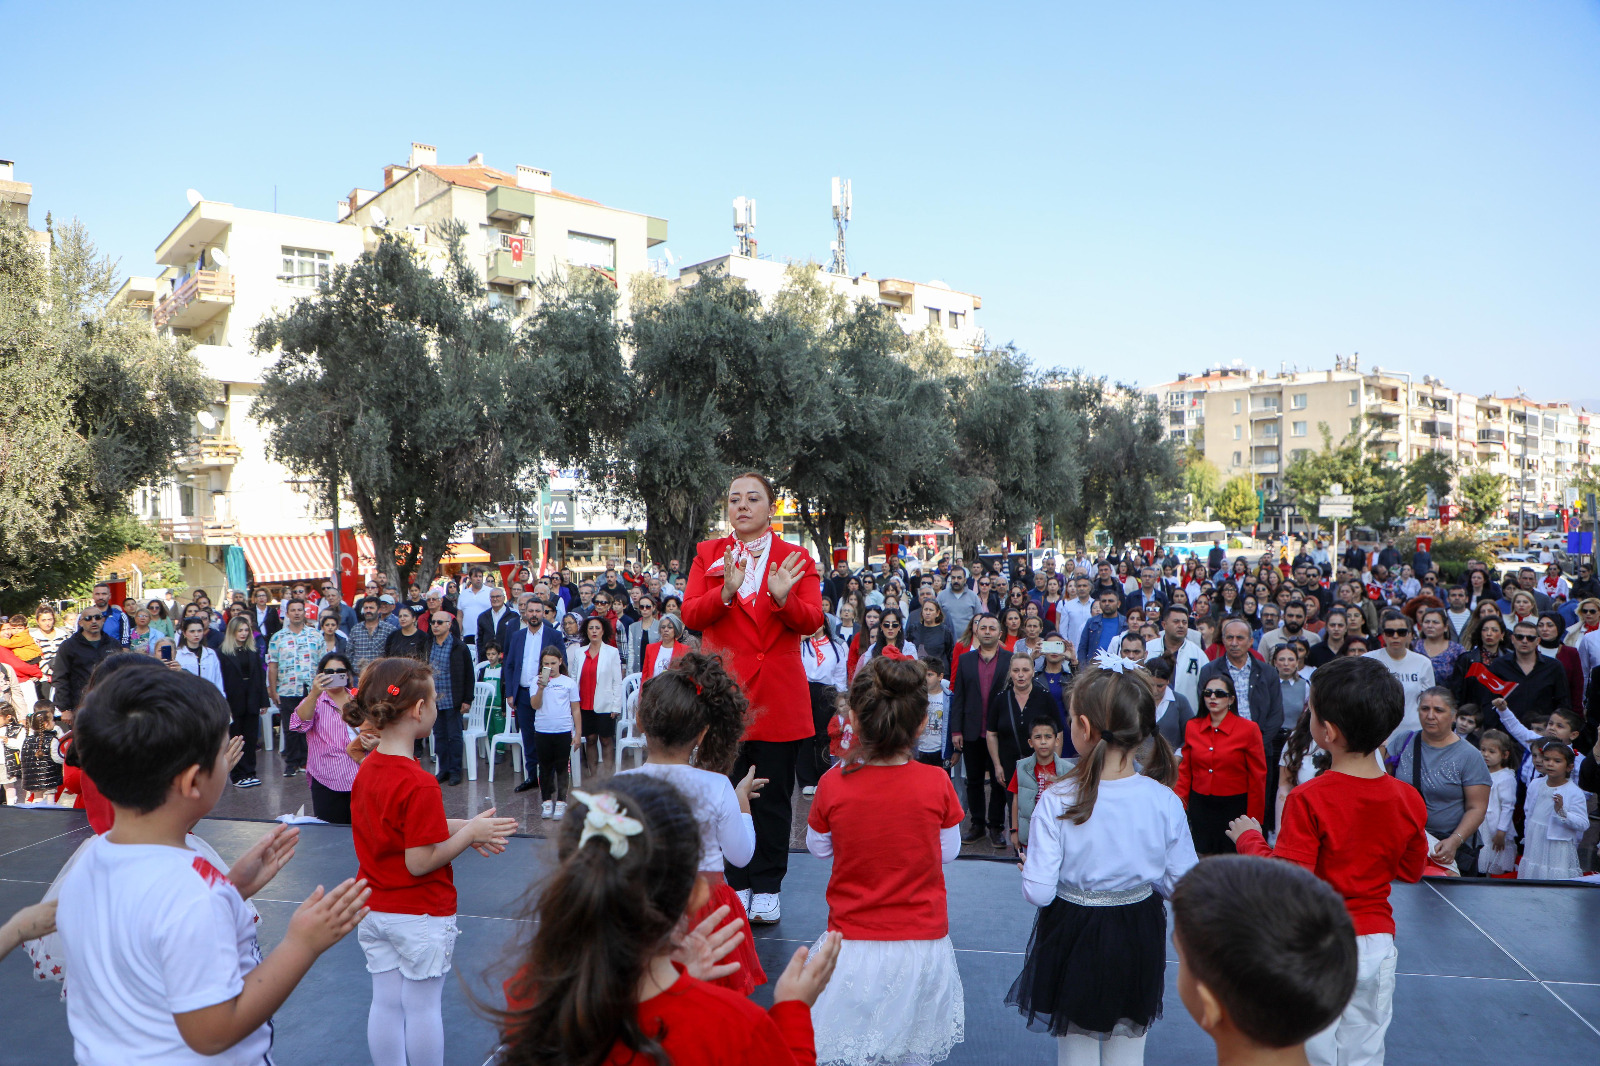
[[274, 560]]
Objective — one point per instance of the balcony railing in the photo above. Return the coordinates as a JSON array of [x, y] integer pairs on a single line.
[[1491, 436], [204, 286], [211, 451], [199, 530]]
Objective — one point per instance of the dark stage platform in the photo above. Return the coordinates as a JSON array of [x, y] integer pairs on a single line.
[[1492, 974]]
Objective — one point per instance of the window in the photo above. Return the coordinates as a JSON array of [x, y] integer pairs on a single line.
[[1238, 432], [958, 319], [1355, 424], [1298, 429], [1236, 460], [1268, 456], [186, 501], [1298, 401], [1270, 430], [306, 268], [585, 250], [933, 316], [1355, 397], [1237, 406], [1299, 453]]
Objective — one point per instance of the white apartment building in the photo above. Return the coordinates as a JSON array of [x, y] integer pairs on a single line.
[[915, 304], [225, 268], [15, 196], [1184, 402], [520, 229]]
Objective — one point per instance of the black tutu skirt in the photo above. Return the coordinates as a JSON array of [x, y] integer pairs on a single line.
[[1096, 971]]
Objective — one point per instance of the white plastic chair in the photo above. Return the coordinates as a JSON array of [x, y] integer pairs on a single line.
[[628, 735], [477, 725], [577, 768], [266, 730], [513, 738]]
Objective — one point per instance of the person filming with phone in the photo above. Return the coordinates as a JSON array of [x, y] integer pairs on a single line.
[[321, 716]]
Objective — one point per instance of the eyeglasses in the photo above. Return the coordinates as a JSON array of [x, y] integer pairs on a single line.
[[90, 617], [1524, 636], [1216, 694], [441, 623], [1397, 632], [889, 625]]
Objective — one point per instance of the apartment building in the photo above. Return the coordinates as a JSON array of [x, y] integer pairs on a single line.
[[915, 305], [520, 229], [224, 268], [1184, 402], [1540, 448], [15, 196]]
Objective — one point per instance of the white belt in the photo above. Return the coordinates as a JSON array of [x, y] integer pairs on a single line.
[[1102, 899]]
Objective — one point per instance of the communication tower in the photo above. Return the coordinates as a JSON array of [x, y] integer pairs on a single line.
[[841, 219]]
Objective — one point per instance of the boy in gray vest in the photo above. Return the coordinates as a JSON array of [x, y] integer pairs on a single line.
[[1034, 774]]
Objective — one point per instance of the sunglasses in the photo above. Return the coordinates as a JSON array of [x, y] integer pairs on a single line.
[[1397, 632], [1524, 636], [890, 625], [1217, 694], [441, 623], [90, 617]]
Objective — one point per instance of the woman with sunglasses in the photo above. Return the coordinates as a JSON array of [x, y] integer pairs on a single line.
[[1224, 769], [1588, 622], [891, 640], [1413, 670]]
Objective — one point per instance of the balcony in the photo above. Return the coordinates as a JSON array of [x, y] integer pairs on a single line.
[[508, 268], [209, 452], [1491, 436], [1265, 412], [1438, 429], [216, 531], [198, 299], [508, 203]]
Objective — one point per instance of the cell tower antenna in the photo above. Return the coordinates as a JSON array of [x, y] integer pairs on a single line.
[[841, 219], [744, 225]]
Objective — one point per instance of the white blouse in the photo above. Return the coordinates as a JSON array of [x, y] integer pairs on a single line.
[[726, 832], [825, 664], [1138, 835]]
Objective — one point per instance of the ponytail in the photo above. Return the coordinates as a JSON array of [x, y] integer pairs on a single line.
[[1121, 709], [601, 919], [890, 699], [696, 693], [388, 689]]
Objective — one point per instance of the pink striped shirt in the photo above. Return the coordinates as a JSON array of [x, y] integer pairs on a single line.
[[326, 759]]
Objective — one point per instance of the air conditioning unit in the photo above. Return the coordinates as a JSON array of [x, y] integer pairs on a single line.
[[419, 232], [524, 226], [524, 291]]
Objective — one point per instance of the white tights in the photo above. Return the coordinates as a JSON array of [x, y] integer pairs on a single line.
[[405, 1026], [1075, 1049]]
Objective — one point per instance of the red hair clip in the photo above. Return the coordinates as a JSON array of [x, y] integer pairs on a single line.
[[698, 691], [394, 690]]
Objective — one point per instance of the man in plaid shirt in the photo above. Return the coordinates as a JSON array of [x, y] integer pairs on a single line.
[[367, 636]]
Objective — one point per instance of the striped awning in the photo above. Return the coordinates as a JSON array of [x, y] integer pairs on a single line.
[[274, 560]]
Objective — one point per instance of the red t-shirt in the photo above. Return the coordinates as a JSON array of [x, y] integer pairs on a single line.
[[101, 814], [1043, 773], [888, 880], [840, 736], [586, 680], [1356, 833], [700, 1024], [395, 804]]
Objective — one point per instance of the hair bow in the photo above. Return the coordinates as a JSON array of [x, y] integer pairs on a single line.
[[606, 819], [1117, 664], [394, 690]]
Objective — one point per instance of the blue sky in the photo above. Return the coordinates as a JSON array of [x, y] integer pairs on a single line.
[[1135, 189]]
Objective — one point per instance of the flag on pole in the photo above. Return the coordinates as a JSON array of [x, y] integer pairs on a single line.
[[1491, 681]]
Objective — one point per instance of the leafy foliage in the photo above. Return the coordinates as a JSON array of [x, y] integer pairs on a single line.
[[1202, 481], [1236, 505], [94, 406], [1482, 494]]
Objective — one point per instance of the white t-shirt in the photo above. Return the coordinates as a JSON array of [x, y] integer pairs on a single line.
[[932, 738], [1415, 672], [726, 832], [470, 605], [151, 931], [554, 714]]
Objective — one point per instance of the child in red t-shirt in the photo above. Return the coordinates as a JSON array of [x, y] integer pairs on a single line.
[[608, 968], [405, 845], [1358, 829], [889, 822]]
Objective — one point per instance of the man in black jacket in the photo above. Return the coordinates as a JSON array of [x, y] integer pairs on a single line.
[[78, 655], [452, 681], [265, 616], [496, 624], [979, 673]]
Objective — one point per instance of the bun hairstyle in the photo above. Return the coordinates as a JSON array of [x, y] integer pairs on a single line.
[[1121, 709], [696, 693], [890, 700], [600, 920], [389, 688]]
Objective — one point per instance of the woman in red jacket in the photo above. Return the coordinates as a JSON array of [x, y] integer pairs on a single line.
[[754, 597]]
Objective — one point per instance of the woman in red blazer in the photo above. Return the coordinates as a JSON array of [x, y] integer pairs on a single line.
[[755, 597]]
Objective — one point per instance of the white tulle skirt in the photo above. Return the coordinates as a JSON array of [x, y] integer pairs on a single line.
[[891, 1002]]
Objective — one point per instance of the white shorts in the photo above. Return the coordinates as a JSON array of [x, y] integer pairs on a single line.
[[418, 945]]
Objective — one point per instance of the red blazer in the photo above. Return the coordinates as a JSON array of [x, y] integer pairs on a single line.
[[759, 641]]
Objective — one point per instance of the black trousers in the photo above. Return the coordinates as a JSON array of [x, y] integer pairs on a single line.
[[814, 759], [1274, 753], [979, 767], [329, 804], [447, 740], [294, 744], [530, 737], [555, 764], [1209, 817], [246, 724], [772, 812]]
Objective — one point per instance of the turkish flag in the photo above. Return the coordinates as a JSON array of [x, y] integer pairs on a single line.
[[506, 570], [1491, 681], [349, 569]]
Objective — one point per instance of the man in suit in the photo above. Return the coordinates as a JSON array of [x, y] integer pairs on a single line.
[[980, 674], [1260, 697], [521, 644], [265, 616], [1148, 596], [496, 624]]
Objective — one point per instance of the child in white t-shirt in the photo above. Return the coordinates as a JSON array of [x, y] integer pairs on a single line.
[[930, 745], [158, 941]]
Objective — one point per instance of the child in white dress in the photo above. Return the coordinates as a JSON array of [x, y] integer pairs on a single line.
[[1558, 816], [1497, 835]]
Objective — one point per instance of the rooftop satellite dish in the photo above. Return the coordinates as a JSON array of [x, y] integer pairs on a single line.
[[206, 419], [379, 219], [217, 256], [194, 196], [672, 260]]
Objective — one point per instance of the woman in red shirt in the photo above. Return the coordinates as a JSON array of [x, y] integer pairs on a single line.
[[602, 970], [755, 597], [1224, 769]]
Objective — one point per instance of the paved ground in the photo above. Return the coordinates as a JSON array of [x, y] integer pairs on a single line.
[[279, 795]]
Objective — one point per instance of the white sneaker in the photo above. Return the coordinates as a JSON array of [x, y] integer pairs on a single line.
[[561, 809], [764, 909], [809, 791], [744, 899], [548, 809]]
